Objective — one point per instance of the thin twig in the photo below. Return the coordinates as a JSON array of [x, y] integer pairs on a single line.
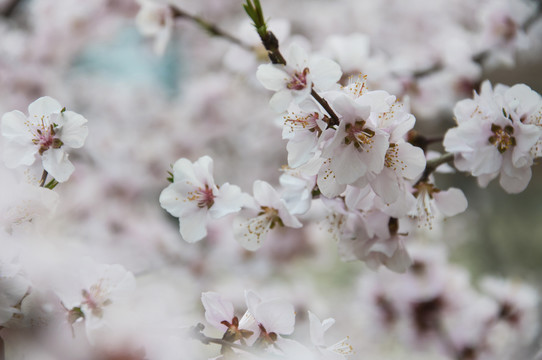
[[271, 44], [210, 28], [432, 165]]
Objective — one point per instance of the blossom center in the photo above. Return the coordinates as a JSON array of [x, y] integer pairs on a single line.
[[502, 137], [359, 135], [45, 139], [203, 196], [298, 80], [307, 122], [95, 299]]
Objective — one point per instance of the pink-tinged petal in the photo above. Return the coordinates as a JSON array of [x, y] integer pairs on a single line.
[[325, 73], [486, 160], [412, 160], [229, 200], [288, 219], [378, 101], [464, 110], [450, 202], [193, 227], [272, 77], [203, 171], [348, 165], [346, 108], [16, 154], [56, 162], [301, 149], [276, 316], [386, 185], [374, 155], [74, 131], [217, 309], [515, 180], [327, 183], [14, 127], [43, 106], [400, 261], [527, 136], [280, 101]]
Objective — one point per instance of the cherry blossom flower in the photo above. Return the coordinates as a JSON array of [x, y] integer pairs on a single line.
[[294, 81], [358, 146], [274, 317], [92, 289], [49, 131], [193, 197], [220, 314], [490, 140], [268, 210], [434, 203]]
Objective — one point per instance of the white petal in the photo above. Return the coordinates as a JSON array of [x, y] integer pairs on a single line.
[[272, 77], [229, 200], [276, 316], [348, 165], [44, 106], [193, 227], [217, 309], [16, 154], [325, 73], [450, 202], [515, 180], [280, 101], [14, 126], [251, 230], [56, 162], [412, 159], [74, 131]]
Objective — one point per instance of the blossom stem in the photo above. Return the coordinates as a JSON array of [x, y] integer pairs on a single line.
[[210, 28], [432, 165], [43, 178]]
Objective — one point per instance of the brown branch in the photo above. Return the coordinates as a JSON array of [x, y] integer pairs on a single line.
[[210, 28], [9, 8], [432, 165]]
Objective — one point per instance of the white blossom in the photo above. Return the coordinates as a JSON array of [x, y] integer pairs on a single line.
[[49, 131]]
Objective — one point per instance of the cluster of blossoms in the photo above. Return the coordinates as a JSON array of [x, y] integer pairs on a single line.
[[356, 159], [94, 269], [260, 328], [498, 134], [435, 307]]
